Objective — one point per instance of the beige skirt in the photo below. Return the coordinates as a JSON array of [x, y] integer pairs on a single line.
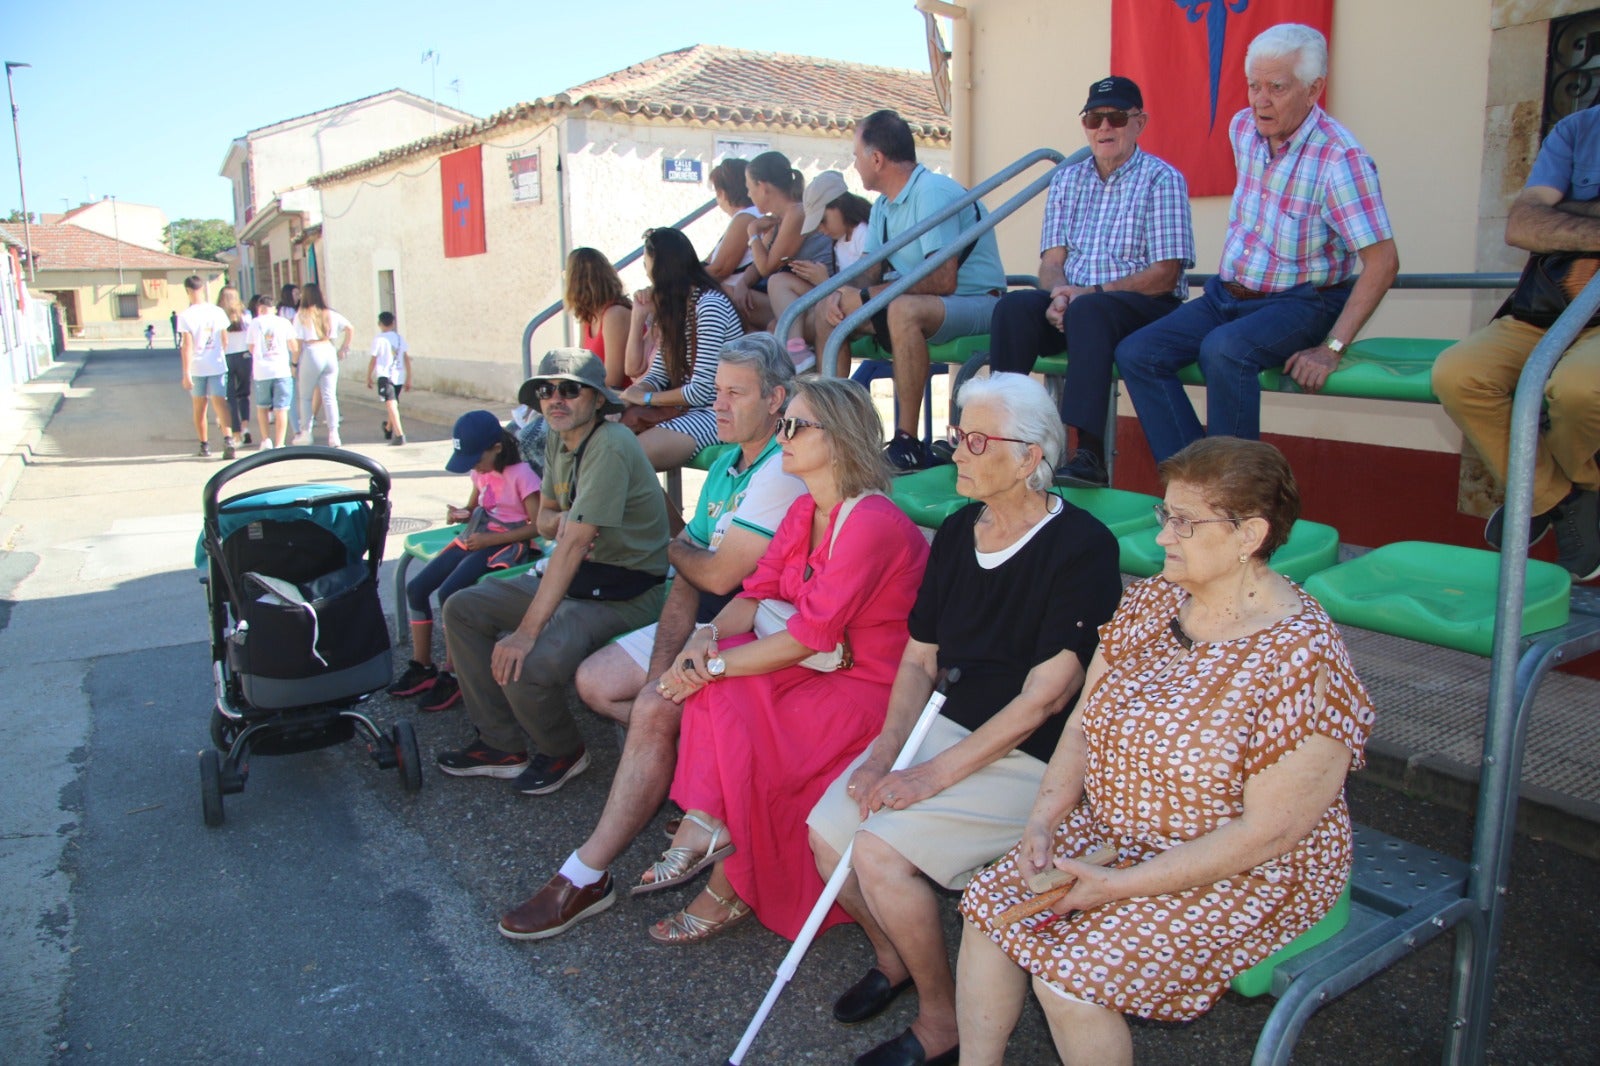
[[949, 836]]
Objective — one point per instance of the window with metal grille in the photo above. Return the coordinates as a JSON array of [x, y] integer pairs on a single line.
[[1572, 67]]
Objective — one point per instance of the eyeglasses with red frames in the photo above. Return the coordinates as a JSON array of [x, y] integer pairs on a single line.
[[788, 427], [1116, 119], [977, 443]]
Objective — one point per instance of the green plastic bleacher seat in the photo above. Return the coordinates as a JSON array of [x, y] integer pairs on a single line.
[[705, 458], [1437, 593], [423, 546], [1257, 980], [1311, 547], [1388, 368], [928, 497], [957, 351]]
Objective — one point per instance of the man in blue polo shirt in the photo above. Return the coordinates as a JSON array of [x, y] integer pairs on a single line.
[[1115, 242], [745, 497], [1476, 379], [956, 300]]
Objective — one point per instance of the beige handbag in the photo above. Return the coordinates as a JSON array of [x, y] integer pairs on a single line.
[[772, 615]]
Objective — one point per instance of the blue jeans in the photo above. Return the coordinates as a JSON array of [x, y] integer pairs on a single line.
[[449, 572], [1233, 340]]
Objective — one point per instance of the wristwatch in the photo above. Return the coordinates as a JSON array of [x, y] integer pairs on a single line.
[[1335, 345], [648, 397], [865, 294], [716, 667]]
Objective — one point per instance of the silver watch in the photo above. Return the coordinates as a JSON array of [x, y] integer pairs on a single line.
[[716, 667], [1335, 345]]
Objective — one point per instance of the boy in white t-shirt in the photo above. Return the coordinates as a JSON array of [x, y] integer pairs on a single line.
[[205, 369], [391, 365], [273, 343]]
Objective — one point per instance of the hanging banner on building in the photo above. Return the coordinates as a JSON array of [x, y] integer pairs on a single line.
[[461, 184], [686, 171], [1187, 57], [524, 170], [155, 289]]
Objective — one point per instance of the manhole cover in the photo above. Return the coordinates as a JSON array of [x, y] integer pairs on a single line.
[[402, 526]]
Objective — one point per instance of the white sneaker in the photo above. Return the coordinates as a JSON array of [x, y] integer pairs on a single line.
[[334, 441], [801, 354], [300, 438], [266, 445]]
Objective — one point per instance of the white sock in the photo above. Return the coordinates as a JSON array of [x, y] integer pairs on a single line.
[[579, 872]]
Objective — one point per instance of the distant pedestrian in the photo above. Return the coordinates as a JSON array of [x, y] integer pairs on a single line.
[[149, 337], [391, 364], [205, 369], [288, 305], [324, 341], [236, 349], [273, 344], [174, 320]]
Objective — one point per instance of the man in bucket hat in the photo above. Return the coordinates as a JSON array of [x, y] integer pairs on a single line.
[[516, 644]]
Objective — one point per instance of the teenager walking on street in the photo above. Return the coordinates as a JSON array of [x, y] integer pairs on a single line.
[[205, 370], [324, 341]]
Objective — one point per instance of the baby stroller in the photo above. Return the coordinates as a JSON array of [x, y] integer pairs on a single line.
[[298, 637]]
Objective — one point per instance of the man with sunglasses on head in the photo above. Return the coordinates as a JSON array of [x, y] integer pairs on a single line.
[[1308, 255], [517, 643], [746, 495], [1116, 240]]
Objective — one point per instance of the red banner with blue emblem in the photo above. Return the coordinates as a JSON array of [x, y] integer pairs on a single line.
[[1188, 58], [461, 183]]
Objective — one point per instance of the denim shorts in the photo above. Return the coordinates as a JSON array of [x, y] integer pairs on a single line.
[[275, 393], [203, 385]]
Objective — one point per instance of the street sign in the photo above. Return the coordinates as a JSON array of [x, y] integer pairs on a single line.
[[686, 171]]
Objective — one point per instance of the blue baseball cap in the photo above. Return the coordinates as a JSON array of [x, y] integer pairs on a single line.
[[475, 433]]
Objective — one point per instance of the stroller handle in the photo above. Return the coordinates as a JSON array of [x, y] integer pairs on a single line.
[[371, 467]]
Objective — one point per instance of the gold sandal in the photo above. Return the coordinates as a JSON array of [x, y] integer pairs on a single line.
[[681, 864], [686, 928]]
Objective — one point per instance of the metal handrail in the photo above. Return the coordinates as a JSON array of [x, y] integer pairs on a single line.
[[1473, 982], [555, 309], [815, 296]]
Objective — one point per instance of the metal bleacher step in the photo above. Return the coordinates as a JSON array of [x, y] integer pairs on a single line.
[[1389, 877]]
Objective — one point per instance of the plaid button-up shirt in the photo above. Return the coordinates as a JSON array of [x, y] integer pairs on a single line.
[[1302, 215], [1119, 226]]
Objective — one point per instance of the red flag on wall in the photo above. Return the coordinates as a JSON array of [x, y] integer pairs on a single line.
[[1188, 58], [461, 183]]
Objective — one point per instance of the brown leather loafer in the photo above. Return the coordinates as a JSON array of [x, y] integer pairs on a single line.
[[557, 907]]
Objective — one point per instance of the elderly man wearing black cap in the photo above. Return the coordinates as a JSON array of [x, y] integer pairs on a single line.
[[516, 644], [1116, 240]]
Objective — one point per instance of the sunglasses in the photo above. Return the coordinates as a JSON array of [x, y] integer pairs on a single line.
[[1117, 119], [1184, 527], [567, 390], [977, 443], [788, 427]]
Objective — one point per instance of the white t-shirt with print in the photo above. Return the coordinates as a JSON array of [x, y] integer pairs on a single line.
[[269, 338], [205, 324], [389, 351]]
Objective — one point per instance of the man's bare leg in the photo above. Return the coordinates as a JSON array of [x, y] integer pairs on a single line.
[[912, 320]]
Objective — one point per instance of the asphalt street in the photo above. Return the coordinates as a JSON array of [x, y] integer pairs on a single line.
[[335, 918]]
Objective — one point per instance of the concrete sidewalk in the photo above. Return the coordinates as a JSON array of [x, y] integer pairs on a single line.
[[25, 412]]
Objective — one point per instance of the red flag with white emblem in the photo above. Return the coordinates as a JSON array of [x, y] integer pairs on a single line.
[[461, 185]]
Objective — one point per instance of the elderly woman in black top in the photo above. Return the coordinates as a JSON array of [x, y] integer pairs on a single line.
[[1016, 588]]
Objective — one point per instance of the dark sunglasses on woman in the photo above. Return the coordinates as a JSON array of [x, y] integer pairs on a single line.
[[788, 427]]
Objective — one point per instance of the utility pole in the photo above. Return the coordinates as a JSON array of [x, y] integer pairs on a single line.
[[430, 56], [116, 231], [16, 136]]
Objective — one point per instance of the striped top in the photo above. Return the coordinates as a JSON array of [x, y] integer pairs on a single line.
[[1120, 225], [716, 323], [1303, 215]]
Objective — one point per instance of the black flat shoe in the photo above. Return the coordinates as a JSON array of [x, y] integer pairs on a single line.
[[906, 1050], [867, 998]]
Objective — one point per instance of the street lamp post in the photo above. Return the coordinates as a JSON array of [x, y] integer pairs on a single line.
[[16, 136]]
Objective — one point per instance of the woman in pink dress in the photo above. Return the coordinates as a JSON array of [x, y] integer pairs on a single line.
[[764, 732]]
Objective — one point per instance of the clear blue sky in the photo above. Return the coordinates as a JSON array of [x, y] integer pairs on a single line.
[[141, 101]]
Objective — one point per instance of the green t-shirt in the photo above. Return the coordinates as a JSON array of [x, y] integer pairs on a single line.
[[617, 491]]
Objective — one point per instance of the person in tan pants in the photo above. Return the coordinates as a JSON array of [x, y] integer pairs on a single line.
[[1476, 379]]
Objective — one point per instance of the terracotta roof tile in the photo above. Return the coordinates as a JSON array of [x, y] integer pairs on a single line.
[[63, 246], [709, 84]]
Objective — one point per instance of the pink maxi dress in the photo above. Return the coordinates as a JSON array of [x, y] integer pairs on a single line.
[[757, 752]]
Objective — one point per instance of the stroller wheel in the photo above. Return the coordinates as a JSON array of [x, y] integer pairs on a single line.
[[407, 761], [211, 788]]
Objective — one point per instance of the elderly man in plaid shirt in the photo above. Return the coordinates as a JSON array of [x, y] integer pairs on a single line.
[[1306, 212], [1116, 240]]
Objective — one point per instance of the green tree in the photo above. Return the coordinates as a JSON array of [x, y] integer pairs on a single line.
[[16, 216], [199, 238]]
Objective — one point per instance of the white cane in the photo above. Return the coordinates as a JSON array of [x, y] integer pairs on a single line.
[[830, 891]]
